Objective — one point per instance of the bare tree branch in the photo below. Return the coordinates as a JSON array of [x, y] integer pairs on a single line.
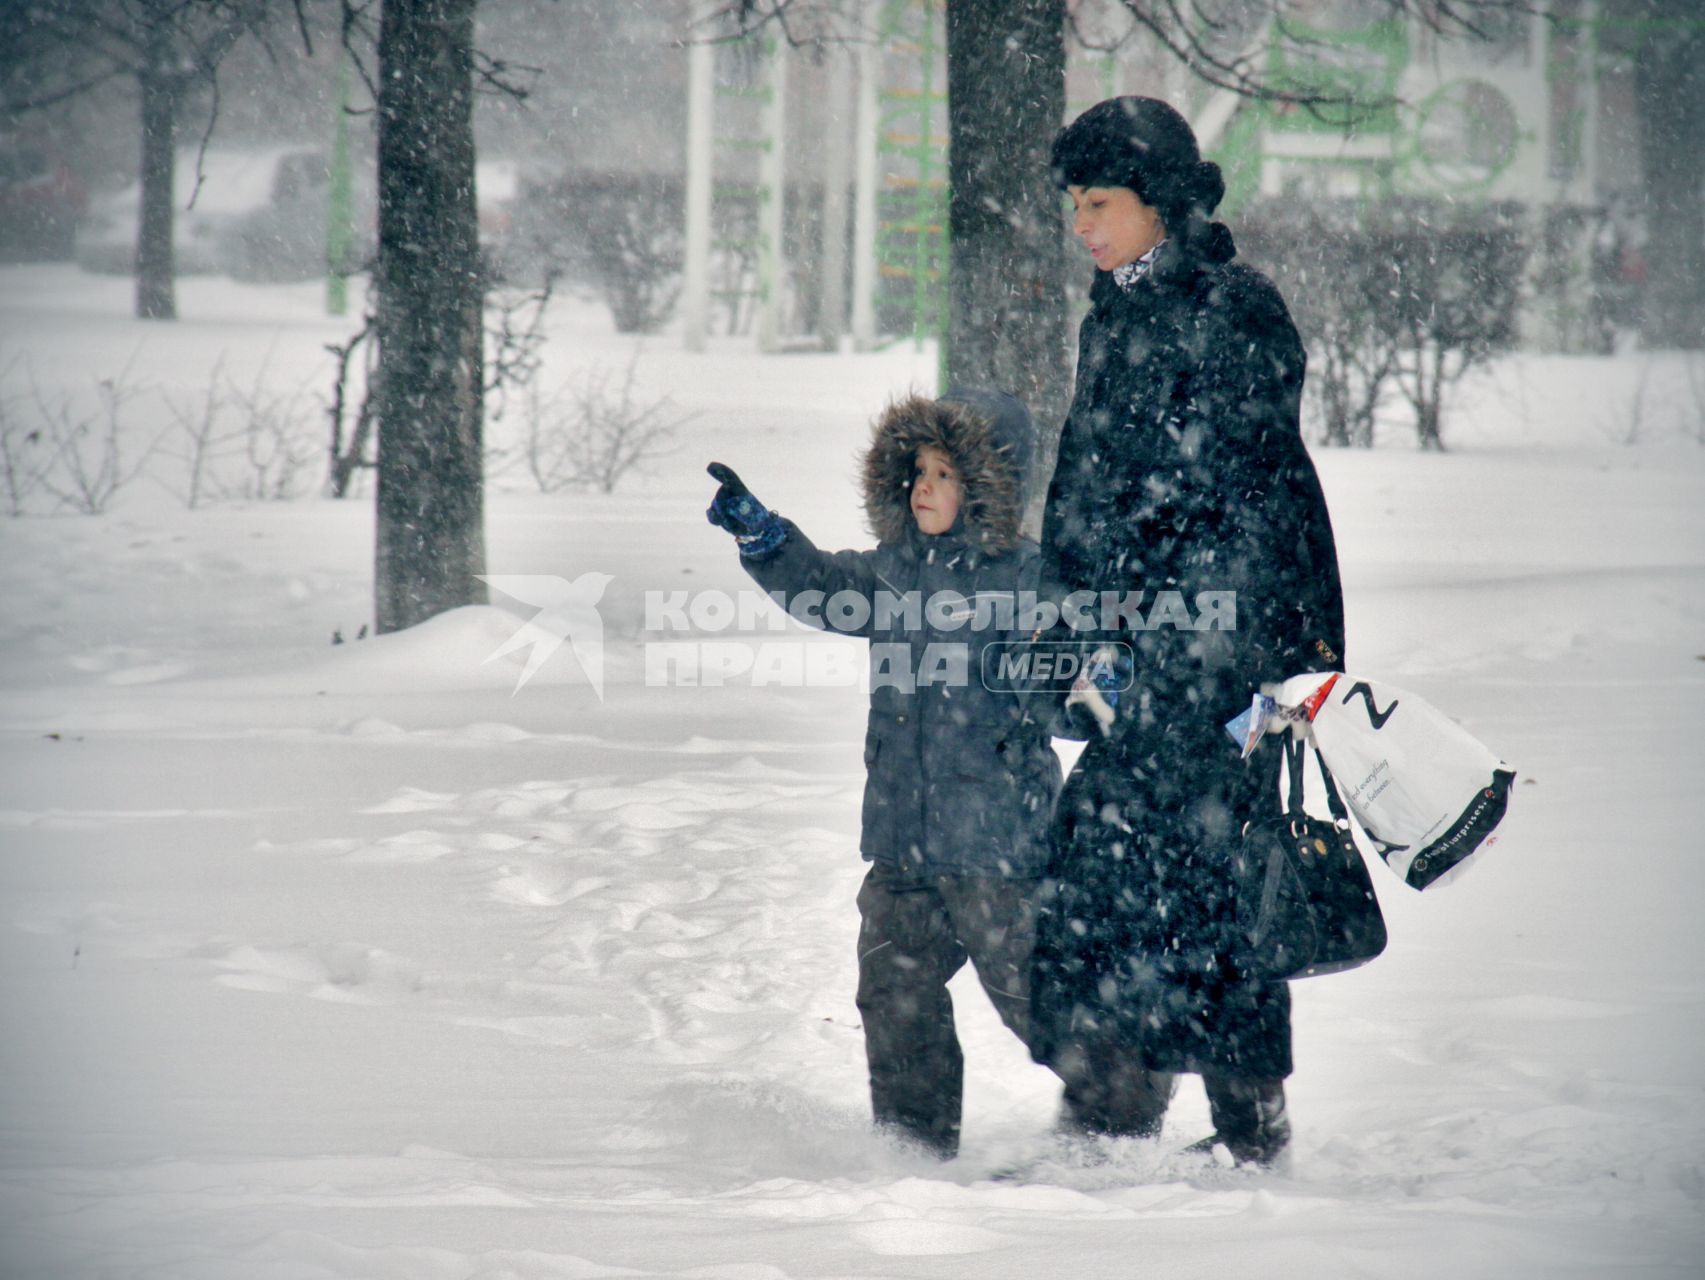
[[739, 19], [493, 75], [356, 30], [206, 140], [302, 28], [57, 96]]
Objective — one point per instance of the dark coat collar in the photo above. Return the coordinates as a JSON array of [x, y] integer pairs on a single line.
[[1178, 266]]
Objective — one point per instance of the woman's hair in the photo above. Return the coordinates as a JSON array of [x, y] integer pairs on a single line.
[[1143, 144]]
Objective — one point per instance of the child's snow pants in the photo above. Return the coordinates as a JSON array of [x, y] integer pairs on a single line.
[[913, 937]]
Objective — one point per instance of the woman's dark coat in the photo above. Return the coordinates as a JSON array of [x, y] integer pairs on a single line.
[[1181, 468], [960, 778]]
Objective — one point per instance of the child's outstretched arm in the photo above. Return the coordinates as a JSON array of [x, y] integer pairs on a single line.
[[779, 557]]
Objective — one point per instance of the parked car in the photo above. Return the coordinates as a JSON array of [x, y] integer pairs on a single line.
[[262, 215], [41, 201], [286, 239], [214, 233]]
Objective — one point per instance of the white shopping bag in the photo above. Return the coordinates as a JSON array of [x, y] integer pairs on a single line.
[[1427, 792]]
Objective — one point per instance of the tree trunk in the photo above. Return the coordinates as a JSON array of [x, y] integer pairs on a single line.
[[431, 534], [1669, 86], [1006, 91], [1334, 389], [156, 297], [1429, 398]]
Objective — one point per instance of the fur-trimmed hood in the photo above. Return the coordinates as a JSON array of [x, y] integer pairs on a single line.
[[989, 436]]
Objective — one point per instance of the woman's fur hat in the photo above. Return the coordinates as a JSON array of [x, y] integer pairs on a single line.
[[1143, 144], [988, 435]]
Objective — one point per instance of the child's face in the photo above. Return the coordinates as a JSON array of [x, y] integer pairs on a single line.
[[935, 491]]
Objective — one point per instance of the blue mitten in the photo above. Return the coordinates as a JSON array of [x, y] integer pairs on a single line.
[[759, 531]]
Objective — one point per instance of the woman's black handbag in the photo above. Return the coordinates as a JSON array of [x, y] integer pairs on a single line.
[[1305, 904]]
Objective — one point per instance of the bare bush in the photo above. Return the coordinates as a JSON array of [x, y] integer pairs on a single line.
[[1627, 426], [277, 448], [1340, 299], [548, 446], [591, 436], [90, 459], [1398, 300], [199, 436], [620, 233], [24, 455], [240, 443], [349, 436], [1456, 287], [22, 460], [1355, 357], [514, 336]]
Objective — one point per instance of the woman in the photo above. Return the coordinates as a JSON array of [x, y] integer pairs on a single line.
[[1181, 469]]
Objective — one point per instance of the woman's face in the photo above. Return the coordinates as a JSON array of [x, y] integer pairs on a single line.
[[1114, 225]]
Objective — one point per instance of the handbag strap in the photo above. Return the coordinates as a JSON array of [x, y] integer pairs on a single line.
[[1334, 802], [1293, 770], [1294, 764]]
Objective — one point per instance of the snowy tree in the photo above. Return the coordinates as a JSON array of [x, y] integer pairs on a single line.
[[430, 376], [1453, 299], [1006, 91], [57, 49], [1666, 39]]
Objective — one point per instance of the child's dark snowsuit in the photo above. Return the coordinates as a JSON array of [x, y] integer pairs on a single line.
[[961, 778]]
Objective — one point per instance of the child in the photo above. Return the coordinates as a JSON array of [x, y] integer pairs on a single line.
[[961, 778]]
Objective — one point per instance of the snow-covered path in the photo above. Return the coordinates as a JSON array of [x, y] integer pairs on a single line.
[[352, 962]]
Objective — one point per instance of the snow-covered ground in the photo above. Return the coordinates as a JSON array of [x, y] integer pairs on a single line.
[[355, 962]]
